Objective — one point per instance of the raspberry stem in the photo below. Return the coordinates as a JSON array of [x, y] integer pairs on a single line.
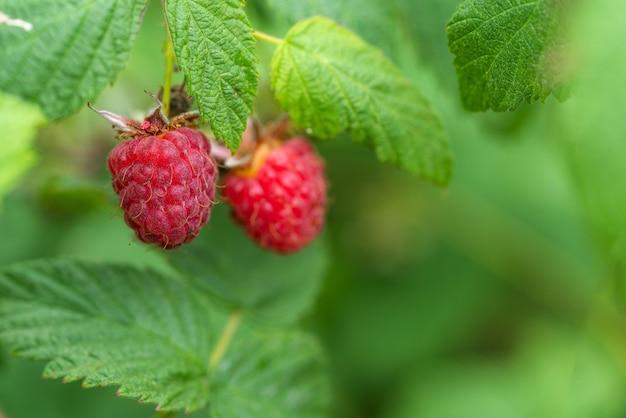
[[227, 335], [169, 71], [267, 38]]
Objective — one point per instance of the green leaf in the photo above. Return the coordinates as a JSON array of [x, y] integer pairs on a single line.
[[153, 336], [215, 48], [76, 48], [330, 81], [274, 287], [506, 52], [19, 121], [275, 375]]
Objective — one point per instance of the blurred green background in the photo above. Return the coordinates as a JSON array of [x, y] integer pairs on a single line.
[[500, 296]]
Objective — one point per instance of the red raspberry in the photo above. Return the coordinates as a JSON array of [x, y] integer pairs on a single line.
[[166, 185], [281, 199]]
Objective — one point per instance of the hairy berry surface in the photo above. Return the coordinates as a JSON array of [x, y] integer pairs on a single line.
[[282, 202], [166, 185]]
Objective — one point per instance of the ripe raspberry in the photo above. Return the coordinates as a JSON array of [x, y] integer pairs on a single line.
[[166, 185], [281, 199]]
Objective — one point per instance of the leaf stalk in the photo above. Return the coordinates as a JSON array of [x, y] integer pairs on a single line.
[[169, 72], [227, 335], [262, 36]]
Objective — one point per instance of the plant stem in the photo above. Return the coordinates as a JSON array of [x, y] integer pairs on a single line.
[[169, 72], [267, 38], [227, 335]]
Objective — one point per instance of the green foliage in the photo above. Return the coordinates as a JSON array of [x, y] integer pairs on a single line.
[[274, 287], [277, 374], [101, 324], [215, 48], [430, 289], [595, 138], [153, 336], [75, 49], [66, 196], [371, 312], [371, 19], [424, 21], [555, 373], [58, 401], [295, 11], [330, 81], [19, 121], [506, 52]]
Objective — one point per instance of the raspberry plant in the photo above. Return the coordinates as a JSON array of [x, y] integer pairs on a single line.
[[217, 330], [161, 342]]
